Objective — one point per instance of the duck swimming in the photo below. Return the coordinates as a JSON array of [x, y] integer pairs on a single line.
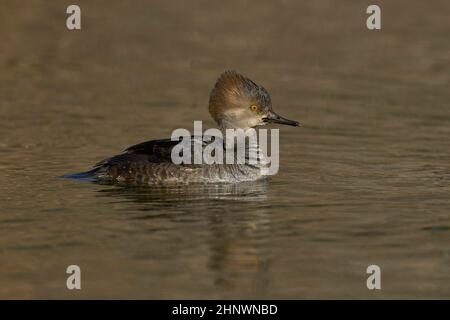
[[236, 102]]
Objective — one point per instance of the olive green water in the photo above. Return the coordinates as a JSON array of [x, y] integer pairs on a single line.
[[365, 181]]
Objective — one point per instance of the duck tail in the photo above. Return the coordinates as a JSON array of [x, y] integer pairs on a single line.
[[91, 175]]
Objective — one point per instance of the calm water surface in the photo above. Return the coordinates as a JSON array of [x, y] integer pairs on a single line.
[[365, 181]]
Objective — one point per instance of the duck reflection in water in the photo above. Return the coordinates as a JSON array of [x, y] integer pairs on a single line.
[[246, 191], [227, 232]]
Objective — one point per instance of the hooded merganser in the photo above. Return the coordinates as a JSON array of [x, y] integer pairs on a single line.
[[236, 102]]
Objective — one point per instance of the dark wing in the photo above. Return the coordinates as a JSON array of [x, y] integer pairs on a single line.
[[161, 150], [158, 150], [153, 151]]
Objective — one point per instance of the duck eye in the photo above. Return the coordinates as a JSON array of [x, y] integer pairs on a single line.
[[254, 108]]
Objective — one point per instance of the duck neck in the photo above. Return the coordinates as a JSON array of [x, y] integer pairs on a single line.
[[243, 144]]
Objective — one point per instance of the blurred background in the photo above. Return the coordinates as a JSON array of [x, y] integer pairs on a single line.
[[365, 181]]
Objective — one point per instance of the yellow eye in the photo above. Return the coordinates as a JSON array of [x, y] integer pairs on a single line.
[[254, 108]]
